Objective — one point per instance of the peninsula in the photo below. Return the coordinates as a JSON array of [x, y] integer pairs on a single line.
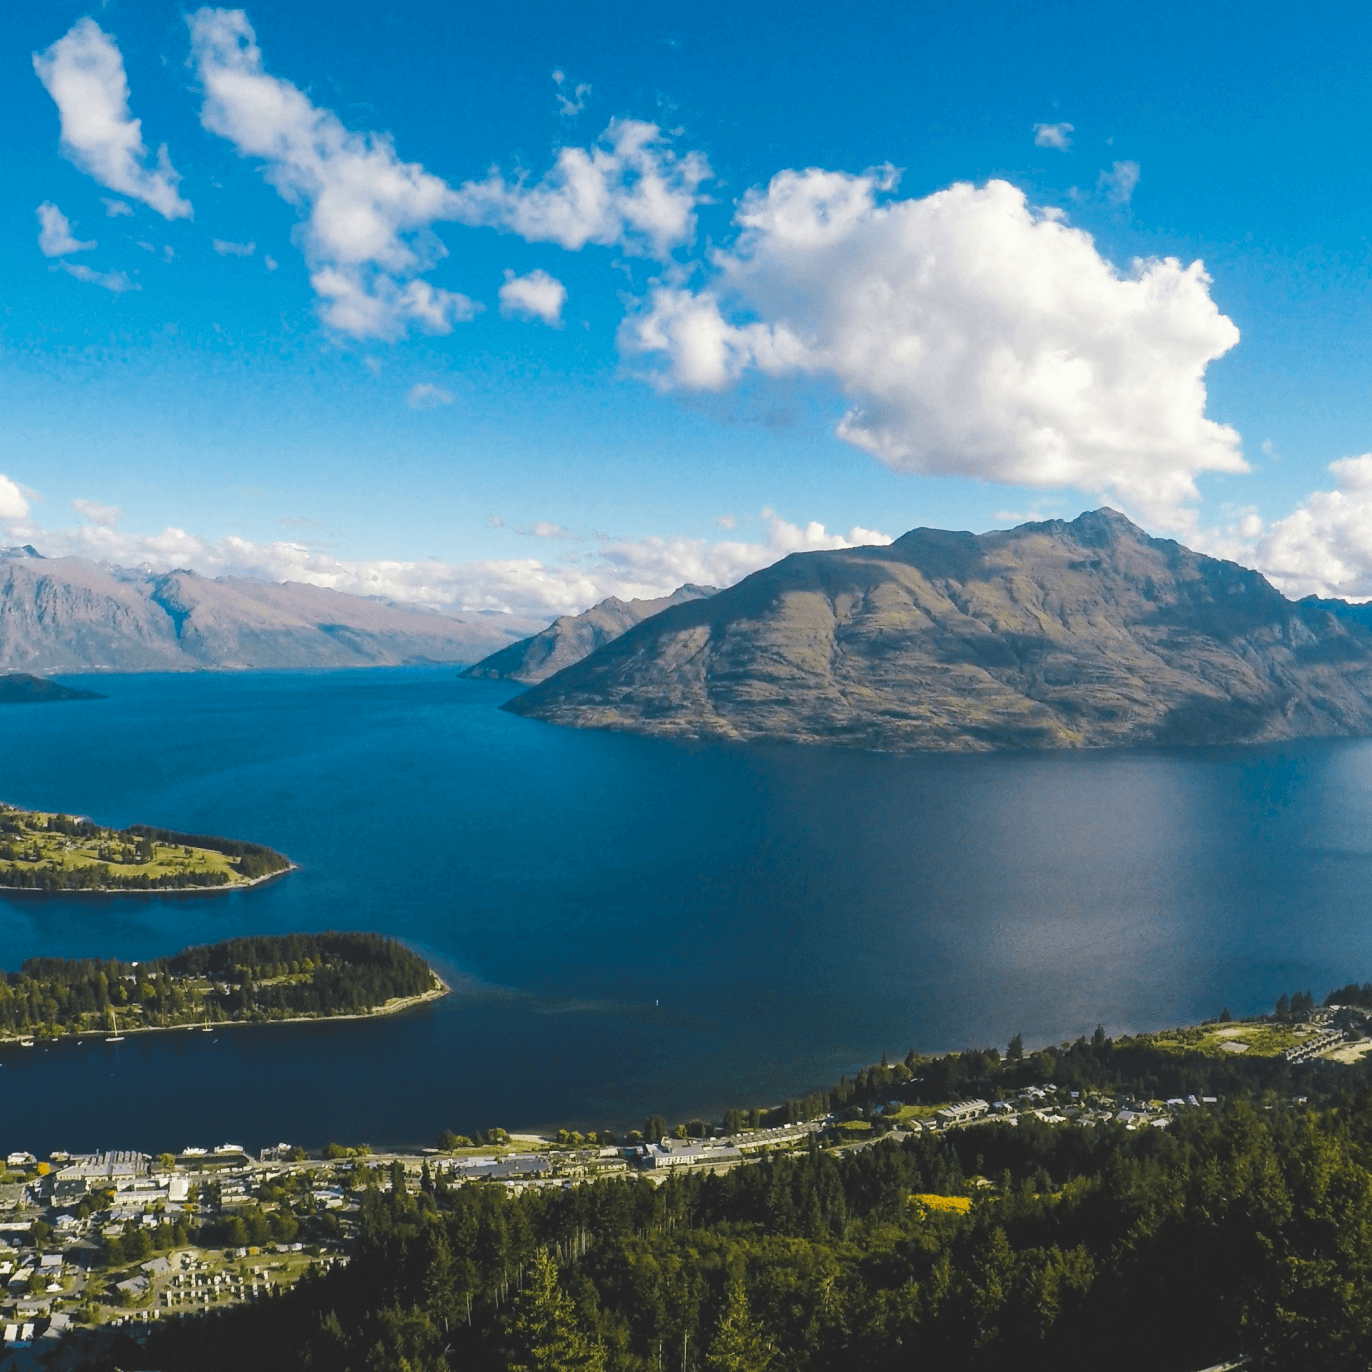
[[23, 688], [1081, 634], [56, 852], [277, 978]]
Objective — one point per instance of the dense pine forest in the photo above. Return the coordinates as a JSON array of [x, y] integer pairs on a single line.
[[263, 978], [1239, 1230]]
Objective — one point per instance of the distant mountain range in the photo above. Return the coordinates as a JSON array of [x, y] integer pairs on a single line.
[[71, 615], [1050, 635], [571, 637]]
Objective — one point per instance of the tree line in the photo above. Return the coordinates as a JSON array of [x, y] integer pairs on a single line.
[[1245, 1231], [265, 977]]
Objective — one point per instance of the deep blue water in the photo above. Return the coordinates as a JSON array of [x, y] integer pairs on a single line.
[[637, 925]]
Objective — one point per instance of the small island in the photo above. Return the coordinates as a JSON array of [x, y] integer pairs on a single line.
[[23, 688], [57, 852], [264, 979]]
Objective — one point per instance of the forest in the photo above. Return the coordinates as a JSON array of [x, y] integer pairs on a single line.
[[262, 978], [1243, 1230]]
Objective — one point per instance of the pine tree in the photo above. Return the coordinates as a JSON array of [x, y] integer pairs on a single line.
[[544, 1330], [738, 1344]]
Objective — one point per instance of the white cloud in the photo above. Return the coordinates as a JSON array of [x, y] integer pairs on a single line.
[[118, 282], [55, 237], [645, 568], [1057, 136], [84, 73], [114, 208], [367, 232], [108, 515], [12, 502], [428, 397], [270, 263], [1118, 183], [226, 249], [630, 190], [535, 296], [568, 106], [727, 521], [973, 335], [1325, 547], [543, 529]]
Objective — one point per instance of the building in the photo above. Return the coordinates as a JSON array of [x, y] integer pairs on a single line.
[[676, 1153], [964, 1112]]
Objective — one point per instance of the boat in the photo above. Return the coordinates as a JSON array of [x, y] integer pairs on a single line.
[[26, 1043], [115, 1038]]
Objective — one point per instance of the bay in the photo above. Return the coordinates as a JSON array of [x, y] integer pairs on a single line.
[[633, 924]]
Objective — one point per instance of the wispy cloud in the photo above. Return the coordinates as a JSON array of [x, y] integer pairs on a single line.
[[106, 515], [1057, 136], [428, 397], [226, 249], [569, 105], [1118, 183], [118, 282], [84, 73], [55, 238]]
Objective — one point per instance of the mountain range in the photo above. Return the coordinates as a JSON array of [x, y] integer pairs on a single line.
[[1050, 635], [71, 615], [570, 638]]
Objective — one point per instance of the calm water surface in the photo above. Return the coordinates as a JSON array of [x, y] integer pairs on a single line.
[[635, 925]]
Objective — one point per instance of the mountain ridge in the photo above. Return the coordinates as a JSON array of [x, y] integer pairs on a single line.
[[569, 638], [72, 615], [1088, 633]]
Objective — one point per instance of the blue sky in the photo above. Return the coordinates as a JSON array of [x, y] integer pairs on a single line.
[[866, 270]]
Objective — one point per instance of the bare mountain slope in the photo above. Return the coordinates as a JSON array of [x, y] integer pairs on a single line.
[[569, 638], [1081, 634], [70, 615]]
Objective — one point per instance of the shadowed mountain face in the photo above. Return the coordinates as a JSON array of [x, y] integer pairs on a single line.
[[569, 638], [70, 615], [1052, 635]]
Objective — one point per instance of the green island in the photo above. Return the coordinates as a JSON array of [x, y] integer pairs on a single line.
[[1157, 1201], [269, 978], [57, 852]]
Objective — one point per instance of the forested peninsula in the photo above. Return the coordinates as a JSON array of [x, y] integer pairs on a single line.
[[246, 980], [57, 852]]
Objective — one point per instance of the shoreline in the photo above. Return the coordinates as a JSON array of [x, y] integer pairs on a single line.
[[152, 890], [391, 1007]]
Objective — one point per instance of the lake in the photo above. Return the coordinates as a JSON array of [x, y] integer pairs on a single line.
[[633, 925]]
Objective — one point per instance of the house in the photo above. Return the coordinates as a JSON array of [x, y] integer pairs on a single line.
[[20, 1160]]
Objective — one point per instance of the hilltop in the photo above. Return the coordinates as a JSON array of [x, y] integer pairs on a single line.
[[569, 638], [22, 688], [67, 614], [1050, 635]]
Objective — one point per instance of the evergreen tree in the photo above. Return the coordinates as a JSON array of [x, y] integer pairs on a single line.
[[739, 1344], [544, 1330]]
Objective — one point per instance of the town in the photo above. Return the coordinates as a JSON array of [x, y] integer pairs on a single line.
[[118, 1238]]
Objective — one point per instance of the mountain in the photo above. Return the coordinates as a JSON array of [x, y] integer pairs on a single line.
[[1050, 635], [571, 637], [70, 615], [19, 688]]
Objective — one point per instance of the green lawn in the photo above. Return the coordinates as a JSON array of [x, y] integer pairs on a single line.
[[27, 832]]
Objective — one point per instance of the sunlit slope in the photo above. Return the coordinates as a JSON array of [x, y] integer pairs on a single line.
[[1051, 635]]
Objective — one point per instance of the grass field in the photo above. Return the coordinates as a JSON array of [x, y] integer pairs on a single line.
[[33, 839], [1247, 1037]]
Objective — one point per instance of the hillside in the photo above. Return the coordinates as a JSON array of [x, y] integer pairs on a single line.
[[569, 638], [1050, 635], [22, 688], [70, 615]]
